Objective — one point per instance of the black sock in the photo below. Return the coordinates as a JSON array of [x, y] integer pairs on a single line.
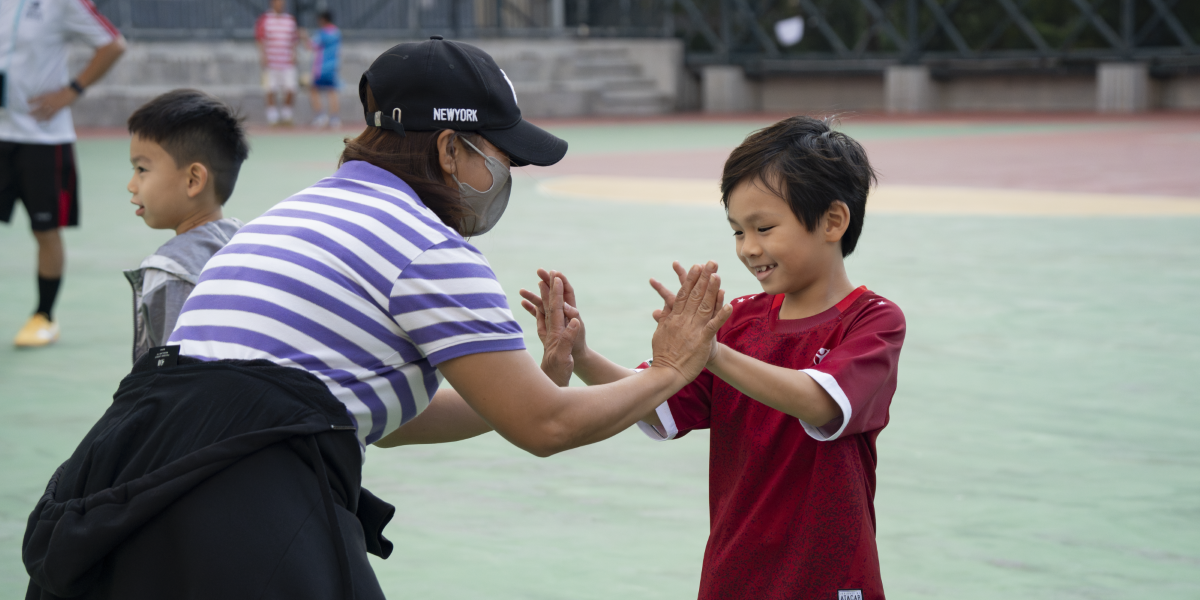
[[47, 293]]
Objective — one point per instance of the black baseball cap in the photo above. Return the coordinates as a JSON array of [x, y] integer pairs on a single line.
[[439, 84]]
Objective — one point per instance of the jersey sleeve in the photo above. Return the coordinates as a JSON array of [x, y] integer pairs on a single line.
[[82, 21], [449, 304], [260, 28], [859, 373], [687, 410]]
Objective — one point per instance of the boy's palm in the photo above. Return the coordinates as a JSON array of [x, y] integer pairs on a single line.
[[559, 325]]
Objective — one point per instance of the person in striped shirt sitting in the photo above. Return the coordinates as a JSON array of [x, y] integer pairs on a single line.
[[366, 280]]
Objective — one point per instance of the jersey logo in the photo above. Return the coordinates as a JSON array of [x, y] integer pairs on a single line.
[[456, 114], [821, 354], [34, 11], [850, 595]]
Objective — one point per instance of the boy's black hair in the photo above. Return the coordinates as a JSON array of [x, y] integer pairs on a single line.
[[327, 15], [195, 127], [803, 161]]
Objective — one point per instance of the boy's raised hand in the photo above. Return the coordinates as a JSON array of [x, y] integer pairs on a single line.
[[685, 339], [667, 295], [558, 324]]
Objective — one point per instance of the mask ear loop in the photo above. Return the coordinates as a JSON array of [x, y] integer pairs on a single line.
[[485, 157], [464, 140]]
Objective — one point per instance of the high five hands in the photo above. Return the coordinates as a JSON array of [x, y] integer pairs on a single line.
[[687, 325], [558, 324], [684, 341]]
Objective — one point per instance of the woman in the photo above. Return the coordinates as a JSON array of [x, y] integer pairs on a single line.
[[228, 467], [366, 281]]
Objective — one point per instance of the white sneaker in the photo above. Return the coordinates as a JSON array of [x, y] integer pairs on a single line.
[[272, 115], [335, 123], [285, 116], [322, 120]]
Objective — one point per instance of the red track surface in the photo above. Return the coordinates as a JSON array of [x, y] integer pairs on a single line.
[[1156, 154]]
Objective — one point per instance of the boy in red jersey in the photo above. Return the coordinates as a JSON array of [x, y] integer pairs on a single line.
[[798, 384]]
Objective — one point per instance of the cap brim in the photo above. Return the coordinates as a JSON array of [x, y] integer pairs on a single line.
[[527, 144]]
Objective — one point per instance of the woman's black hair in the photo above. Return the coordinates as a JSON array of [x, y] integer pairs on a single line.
[[413, 157]]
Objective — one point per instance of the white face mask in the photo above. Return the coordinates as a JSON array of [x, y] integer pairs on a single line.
[[488, 205]]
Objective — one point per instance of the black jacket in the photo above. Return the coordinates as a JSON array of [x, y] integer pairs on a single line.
[[229, 479]]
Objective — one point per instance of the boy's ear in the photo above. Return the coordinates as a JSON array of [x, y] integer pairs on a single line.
[[837, 221], [197, 175]]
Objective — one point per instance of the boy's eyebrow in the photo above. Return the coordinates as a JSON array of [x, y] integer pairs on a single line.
[[750, 217]]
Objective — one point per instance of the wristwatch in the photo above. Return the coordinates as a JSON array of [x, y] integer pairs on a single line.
[[75, 86]]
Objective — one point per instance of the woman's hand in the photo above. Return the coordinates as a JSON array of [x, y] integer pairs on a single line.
[[558, 325], [669, 301], [686, 336]]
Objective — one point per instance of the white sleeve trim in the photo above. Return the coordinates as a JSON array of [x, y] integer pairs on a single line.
[[826, 381], [668, 421]]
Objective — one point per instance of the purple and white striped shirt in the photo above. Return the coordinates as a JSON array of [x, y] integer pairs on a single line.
[[357, 282]]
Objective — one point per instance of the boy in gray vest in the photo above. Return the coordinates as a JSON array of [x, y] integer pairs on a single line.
[[186, 151]]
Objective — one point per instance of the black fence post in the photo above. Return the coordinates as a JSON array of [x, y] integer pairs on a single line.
[[726, 32], [914, 41], [1127, 17]]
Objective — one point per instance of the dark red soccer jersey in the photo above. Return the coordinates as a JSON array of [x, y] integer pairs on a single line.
[[792, 506]]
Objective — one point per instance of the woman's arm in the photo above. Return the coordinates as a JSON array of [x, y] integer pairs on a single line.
[[510, 392], [448, 418]]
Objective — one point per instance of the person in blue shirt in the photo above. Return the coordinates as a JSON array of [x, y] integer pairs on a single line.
[[326, 46]]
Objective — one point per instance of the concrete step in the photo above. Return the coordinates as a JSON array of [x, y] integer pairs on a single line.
[[633, 102], [606, 52], [606, 69], [599, 84], [552, 77]]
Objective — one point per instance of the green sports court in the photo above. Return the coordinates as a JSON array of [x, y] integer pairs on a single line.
[[1043, 441]]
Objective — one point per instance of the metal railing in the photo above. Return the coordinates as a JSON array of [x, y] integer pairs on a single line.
[[968, 34], [841, 35], [401, 19]]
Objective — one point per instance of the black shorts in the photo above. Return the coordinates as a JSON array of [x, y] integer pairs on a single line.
[[42, 176]]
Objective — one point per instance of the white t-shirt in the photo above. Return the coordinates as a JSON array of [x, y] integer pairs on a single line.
[[34, 35]]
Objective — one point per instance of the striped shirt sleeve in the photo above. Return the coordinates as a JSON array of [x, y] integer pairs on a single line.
[[449, 303]]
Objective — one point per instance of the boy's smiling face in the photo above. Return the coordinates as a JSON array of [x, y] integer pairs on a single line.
[[773, 243], [158, 185]]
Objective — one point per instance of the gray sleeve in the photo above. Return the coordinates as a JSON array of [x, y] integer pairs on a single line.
[[162, 306]]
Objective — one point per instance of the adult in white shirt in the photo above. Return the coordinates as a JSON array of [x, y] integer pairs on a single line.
[[37, 135]]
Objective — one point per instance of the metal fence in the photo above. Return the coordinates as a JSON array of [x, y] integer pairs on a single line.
[[970, 34], [835, 34], [234, 19]]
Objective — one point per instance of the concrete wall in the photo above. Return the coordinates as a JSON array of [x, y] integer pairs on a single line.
[[974, 93], [1041, 93], [823, 93], [571, 78], [1177, 93], [552, 77]]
